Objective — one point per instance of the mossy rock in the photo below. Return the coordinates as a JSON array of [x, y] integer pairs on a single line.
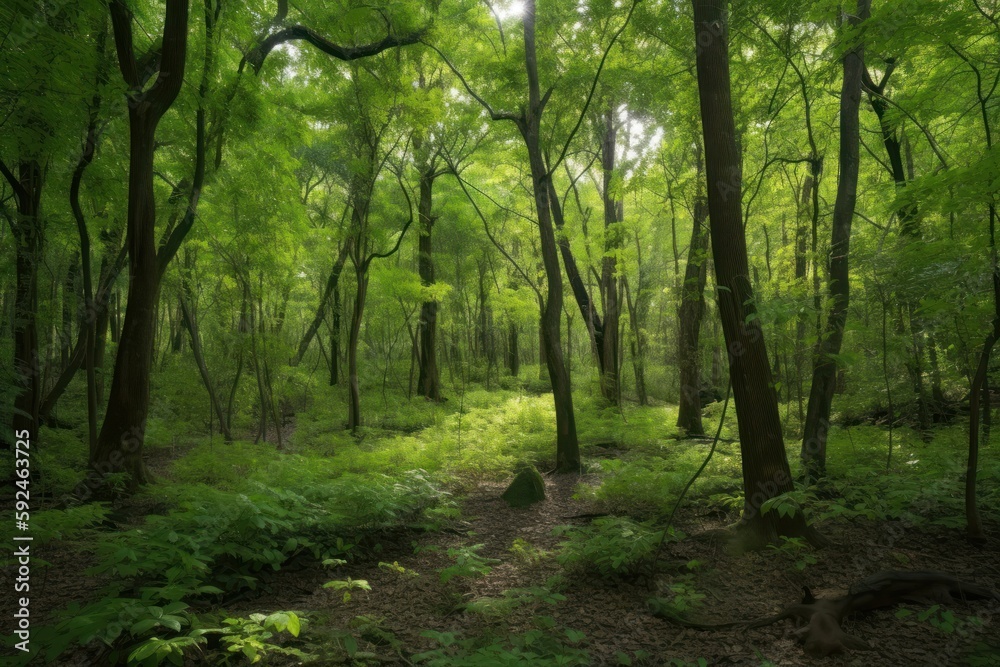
[[526, 489]]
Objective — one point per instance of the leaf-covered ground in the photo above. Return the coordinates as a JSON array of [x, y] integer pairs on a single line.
[[462, 579], [613, 615]]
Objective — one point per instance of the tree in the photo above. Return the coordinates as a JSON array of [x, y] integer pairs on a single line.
[[765, 465], [119, 445], [691, 311], [824, 378]]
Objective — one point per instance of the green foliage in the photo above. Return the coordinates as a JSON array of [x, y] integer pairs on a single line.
[[468, 564], [612, 547], [545, 646], [683, 598], [942, 619], [499, 608], [254, 637], [797, 549], [347, 585], [524, 551], [66, 525], [647, 481], [216, 541]]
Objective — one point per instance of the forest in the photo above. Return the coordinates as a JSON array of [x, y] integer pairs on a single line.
[[499, 332]]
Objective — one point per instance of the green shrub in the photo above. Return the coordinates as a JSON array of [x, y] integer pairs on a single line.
[[612, 547]]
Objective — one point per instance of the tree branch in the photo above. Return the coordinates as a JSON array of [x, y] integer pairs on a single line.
[[593, 87], [495, 115], [347, 53]]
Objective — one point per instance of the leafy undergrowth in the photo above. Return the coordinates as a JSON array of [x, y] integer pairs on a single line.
[[192, 569]]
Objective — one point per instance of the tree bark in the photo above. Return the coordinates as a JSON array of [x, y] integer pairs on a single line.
[[567, 445], [190, 322], [29, 242], [614, 213], [354, 388], [119, 445], [513, 352], [428, 377], [765, 465], [691, 312], [332, 284], [824, 380]]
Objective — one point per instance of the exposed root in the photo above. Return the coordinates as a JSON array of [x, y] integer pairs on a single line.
[[822, 634]]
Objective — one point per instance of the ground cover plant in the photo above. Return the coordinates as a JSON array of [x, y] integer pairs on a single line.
[[499, 333]]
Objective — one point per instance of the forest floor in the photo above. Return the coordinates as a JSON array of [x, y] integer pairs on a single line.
[[512, 599], [613, 616]]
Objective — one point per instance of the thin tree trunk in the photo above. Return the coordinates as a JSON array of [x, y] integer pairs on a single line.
[[428, 378], [90, 309], [28, 241], [691, 312], [636, 345], [513, 352], [567, 445], [332, 284], [765, 466], [191, 324], [824, 378], [614, 213], [335, 339], [354, 389]]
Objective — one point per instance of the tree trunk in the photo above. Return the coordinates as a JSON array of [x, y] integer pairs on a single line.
[[90, 309], [802, 321], [119, 445], [824, 378], [335, 339], [28, 241], [567, 445], [614, 213], [428, 378], [332, 284], [190, 322], [765, 466], [66, 333], [637, 344], [691, 311], [354, 389], [513, 352]]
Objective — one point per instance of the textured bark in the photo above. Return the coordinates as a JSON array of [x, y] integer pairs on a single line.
[[354, 388], [801, 265], [28, 240], [190, 322], [691, 312], [428, 378], [119, 445], [332, 284], [765, 466], [824, 378], [513, 351], [614, 213], [567, 445]]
